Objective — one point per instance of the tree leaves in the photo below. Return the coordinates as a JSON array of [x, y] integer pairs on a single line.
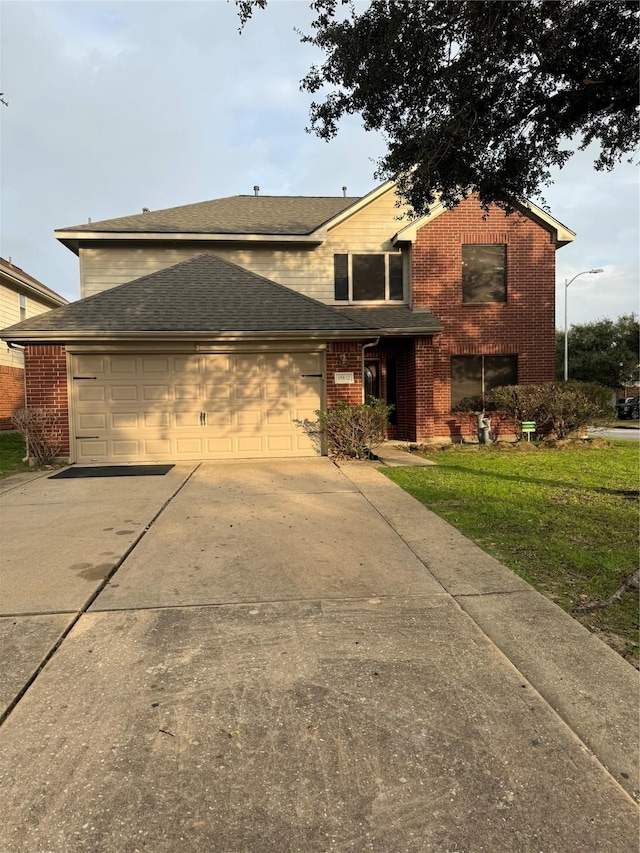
[[482, 97]]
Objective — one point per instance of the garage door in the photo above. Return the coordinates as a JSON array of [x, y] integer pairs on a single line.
[[132, 408]]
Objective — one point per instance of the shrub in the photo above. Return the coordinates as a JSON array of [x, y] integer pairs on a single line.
[[351, 432], [557, 407], [38, 428]]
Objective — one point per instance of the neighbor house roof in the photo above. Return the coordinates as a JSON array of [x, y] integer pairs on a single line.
[[204, 296], [19, 280]]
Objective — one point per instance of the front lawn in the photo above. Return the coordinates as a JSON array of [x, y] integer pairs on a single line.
[[564, 520], [12, 451]]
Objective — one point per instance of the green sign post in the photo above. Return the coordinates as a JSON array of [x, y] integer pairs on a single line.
[[528, 427]]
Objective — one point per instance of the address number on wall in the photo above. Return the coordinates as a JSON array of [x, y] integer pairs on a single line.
[[343, 378]]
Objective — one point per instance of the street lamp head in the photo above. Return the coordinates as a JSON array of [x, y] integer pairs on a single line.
[[566, 330]]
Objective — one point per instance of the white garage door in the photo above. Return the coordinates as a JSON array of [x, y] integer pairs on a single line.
[[132, 408]]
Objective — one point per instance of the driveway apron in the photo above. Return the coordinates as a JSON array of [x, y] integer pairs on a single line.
[[272, 667]]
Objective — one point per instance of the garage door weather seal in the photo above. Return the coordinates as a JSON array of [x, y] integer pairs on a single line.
[[82, 472]]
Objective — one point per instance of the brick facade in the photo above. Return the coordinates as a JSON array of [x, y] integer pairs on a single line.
[[344, 357], [11, 394], [46, 372], [524, 325]]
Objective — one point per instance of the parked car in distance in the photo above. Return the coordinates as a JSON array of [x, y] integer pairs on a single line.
[[628, 408]]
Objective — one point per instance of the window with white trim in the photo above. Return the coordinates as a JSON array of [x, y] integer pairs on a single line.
[[368, 277], [23, 306]]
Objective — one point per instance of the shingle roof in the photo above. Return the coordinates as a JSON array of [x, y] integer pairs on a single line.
[[240, 214], [207, 294], [392, 318], [18, 277], [204, 294]]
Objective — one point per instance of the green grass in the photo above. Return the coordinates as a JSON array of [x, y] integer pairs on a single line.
[[564, 520], [12, 451]]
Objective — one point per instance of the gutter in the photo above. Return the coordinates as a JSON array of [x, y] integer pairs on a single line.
[[62, 337], [73, 239]]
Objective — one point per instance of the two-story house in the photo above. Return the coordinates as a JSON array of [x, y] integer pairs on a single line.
[[21, 297], [211, 330]]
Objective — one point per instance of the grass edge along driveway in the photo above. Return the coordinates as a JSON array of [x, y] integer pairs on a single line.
[[565, 520]]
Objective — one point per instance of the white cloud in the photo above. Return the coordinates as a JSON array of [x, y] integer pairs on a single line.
[[119, 106]]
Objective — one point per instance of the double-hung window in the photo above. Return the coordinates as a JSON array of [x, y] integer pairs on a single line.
[[368, 277], [23, 306]]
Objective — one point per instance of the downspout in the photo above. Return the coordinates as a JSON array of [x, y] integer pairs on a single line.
[[364, 347], [11, 345]]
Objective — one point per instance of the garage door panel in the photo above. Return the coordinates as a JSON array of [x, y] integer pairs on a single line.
[[122, 364], [155, 420], [275, 418], [279, 443], [123, 393], [91, 393], [184, 406], [155, 364], [249, 417], [125, 420], [219, 447], [157, 448], [187, 392], [219, 418], [216, 392], [277, 390], [155, 392], [126, 447], [87, 420], [89, 451], [89, 364], [189, 445]]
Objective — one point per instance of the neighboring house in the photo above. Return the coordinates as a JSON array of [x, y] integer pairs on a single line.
[[21, 297], [208, 331]]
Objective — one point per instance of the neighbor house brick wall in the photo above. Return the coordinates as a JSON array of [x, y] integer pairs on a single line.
[[46, 381], [11, 394], [344, 357], [524, 325]]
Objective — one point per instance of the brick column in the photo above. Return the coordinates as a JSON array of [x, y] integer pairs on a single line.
[[46, 382], [344, 357]]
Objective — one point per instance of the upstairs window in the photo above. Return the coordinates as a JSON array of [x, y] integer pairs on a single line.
[[472, 376], [484, 273], [368, 278], [23, 306]]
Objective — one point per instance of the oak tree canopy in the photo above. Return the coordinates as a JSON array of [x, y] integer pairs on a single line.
[[482, 97]]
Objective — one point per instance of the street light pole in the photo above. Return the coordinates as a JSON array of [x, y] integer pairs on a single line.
[[566, 330]]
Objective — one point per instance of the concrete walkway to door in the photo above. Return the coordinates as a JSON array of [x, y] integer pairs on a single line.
[[292, 656]]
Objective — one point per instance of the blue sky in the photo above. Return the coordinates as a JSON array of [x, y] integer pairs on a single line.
[[118, 106]]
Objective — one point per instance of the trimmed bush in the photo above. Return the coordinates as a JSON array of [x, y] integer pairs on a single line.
[[556, 407]]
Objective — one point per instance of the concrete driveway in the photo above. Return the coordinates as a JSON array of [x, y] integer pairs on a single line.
[[291, 656]]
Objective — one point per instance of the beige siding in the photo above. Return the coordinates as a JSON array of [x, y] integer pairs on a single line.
[[306, 270], [10, 314]]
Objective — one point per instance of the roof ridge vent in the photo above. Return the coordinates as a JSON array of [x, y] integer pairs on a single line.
[[256, 190]]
